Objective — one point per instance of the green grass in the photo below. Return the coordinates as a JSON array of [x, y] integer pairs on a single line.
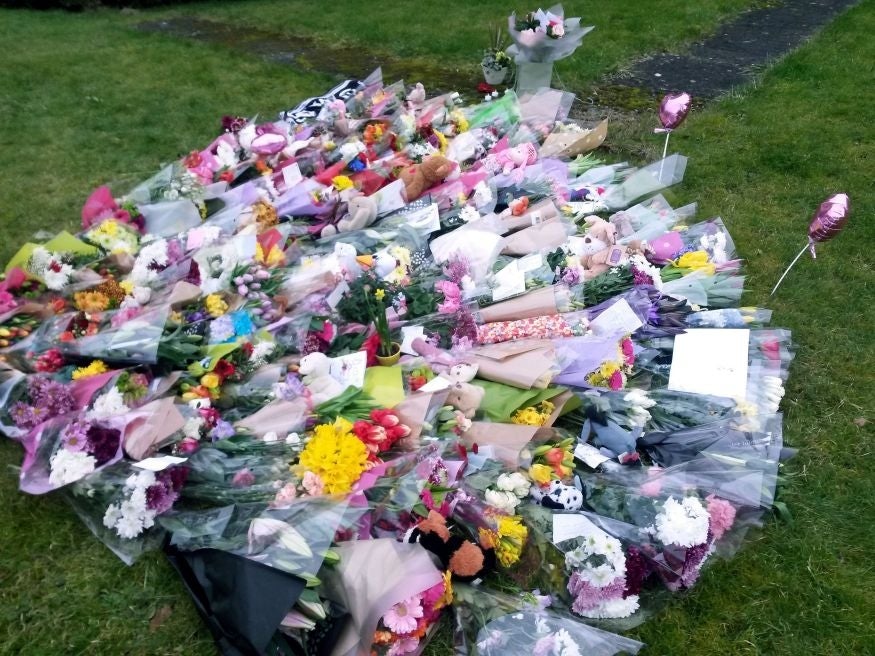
[[86, 101]]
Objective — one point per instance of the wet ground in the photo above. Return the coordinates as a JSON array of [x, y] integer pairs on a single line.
[[311, 56]]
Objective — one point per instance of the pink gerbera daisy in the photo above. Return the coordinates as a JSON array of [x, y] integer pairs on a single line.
[[401, 618]]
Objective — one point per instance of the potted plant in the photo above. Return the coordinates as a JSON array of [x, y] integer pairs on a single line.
[[377, 300], [496, 62]]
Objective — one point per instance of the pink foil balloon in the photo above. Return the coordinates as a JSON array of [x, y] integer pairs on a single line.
[[674, 109], [828, 220]]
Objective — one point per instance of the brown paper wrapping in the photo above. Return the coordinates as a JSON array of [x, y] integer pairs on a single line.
[[537, 213], [536, 303], [571, 144], [548, 235], [524, 364]]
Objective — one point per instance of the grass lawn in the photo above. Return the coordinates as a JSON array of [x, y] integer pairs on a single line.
[[88, 101]]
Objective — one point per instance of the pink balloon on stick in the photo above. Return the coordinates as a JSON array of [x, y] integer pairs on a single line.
[[828, 221], [672, 111]]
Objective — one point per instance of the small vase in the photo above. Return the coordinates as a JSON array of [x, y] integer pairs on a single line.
[[389, 360], [494, 76], [531, 76]]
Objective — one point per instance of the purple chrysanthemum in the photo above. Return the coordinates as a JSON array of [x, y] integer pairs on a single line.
[[75, 436], [103, 443]]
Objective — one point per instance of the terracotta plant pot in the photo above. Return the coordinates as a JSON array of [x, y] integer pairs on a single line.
[[389, 360]]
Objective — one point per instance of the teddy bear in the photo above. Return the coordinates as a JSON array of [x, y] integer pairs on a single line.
[[418, 178], [320, 384], [361, 211], [465, 560], [463, 396], [600, 251], [511, 161]]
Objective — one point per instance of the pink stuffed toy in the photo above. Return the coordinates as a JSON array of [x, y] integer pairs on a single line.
[[511, 161]]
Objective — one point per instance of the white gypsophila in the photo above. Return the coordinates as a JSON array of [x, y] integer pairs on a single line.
[[515, 482], [683, 523], [469, 214], [504, 501], [39, 258], [70, 466], [110, 404], [612, 608], [192, 427], [565, 644]]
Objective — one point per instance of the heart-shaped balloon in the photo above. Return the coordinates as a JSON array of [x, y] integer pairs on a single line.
[[674, 109], [828, 220]]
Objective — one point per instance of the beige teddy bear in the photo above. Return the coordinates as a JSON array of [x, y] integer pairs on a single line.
[[463, 396]]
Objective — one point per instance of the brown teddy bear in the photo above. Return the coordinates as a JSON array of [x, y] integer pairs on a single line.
[[463, 396], [418, 178], [600, 250]]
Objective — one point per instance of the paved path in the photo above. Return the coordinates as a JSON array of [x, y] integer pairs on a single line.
[[732, 56]]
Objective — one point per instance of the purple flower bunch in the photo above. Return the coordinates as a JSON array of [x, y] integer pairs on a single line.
[[98, 441], [161, 496], [47, 398]]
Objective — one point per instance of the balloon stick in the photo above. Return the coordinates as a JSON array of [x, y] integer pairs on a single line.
[[787, 270]]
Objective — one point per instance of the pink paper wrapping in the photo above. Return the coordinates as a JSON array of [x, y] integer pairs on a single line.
[[542, 327], [149, 427], [545, 236], [536, 303]]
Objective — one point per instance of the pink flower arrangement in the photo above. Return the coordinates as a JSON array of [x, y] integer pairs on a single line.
[[402, 617], [722, 515], [313, 484], [452, 296]]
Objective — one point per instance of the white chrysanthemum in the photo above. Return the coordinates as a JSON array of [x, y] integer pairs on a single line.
[[146, 478], [70, 466], [612, 608], [57, 280], [226, 155], [515, 482], [111, 516], [684, 523], [599, 560], [138, 500], [129, 526], [504, 501], [261, 350], [110, 404]]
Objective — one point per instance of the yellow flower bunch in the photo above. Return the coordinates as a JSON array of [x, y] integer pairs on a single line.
[[211, 381], [342, 182], [461, 123], [334, 454], [442, 141], [95, 368], [610, 374], [215, 305], [509, 539], [91, 301], [533, 415], [274, 256], [696, 261], [128, 286]]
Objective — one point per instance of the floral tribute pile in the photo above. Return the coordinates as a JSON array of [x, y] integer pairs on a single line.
[[391, 361]]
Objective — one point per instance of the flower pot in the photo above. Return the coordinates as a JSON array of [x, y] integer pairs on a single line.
[[531, 76], [494, 76], [389, 360]]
